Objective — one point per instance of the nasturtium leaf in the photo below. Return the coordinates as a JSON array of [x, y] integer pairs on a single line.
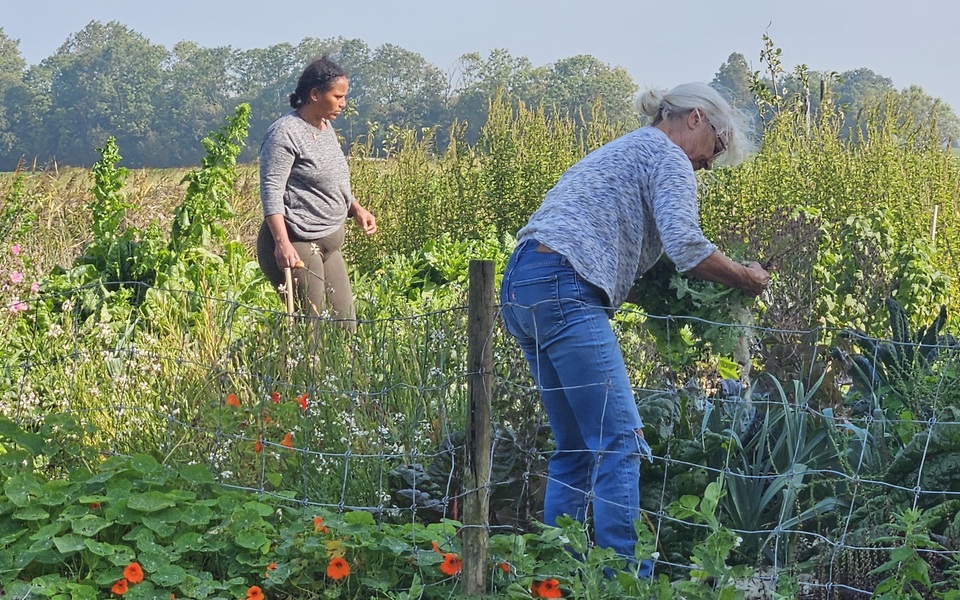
[[23, 489], [150, 501], [264, 510], [80, 592], [168, 575], [251, 539], [197, 474], [196, 514], [161, 526], [70, 543], [89, 525], [358, 517], [31, 513], [99, 548], [189, 542], [145, 463]]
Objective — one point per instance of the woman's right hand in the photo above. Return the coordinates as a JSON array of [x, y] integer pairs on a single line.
[[286, 255]]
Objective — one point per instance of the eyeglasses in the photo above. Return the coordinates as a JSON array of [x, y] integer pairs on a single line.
[[720, 142]]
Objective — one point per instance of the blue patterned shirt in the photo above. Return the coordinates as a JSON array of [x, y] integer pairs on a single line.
[[619, 208]]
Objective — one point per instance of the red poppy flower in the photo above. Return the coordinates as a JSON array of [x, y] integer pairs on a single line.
[[287, 441], [133, 573], [120, 587], [338, 568], [546, 589], [302, 400], [451, 564], [232, 400], [275, 396], [254, 593]]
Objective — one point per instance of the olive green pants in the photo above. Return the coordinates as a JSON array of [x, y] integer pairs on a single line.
[[322, 283]]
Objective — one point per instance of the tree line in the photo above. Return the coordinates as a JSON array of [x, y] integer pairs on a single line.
[[108, 80]]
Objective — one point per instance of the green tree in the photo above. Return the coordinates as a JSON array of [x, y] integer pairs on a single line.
[[924, 107], [397, 87], [733, 80], [199, 91], [481, 80], [12, 68], [573, 86], [266, 78], [104, 81]]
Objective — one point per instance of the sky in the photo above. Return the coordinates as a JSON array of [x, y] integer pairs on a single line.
[[660, 44]]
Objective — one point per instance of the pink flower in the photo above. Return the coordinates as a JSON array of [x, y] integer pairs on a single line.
[[16, 305], [16, 277], [15, 249], [34, 287]]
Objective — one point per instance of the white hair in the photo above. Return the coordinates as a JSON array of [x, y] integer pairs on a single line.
[[731, 124]]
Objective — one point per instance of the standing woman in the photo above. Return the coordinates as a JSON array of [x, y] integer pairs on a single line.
[[606, 221], [306, 197]]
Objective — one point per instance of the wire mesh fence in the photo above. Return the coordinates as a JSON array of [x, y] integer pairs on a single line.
[[819, 462]]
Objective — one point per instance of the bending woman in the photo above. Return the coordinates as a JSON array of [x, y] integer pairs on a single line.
[[606, 221]]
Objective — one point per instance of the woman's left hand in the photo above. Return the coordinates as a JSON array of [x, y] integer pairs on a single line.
[[365, 219]]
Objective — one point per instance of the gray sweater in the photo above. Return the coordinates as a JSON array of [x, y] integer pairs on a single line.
[[617, 210], [304, 177]]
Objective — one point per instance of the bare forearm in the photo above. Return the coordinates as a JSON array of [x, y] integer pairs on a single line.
[[751, 279]]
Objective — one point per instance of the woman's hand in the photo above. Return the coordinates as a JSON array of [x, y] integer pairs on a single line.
[[363, 218], [286, 256], [757, 279]]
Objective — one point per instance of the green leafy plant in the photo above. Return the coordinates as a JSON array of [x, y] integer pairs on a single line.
[[907, 572]]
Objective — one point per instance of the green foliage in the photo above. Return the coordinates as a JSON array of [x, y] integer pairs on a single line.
[[711, 555], [772, 463], [197, 221], [908, 572], [691, 318], [902, 374], [75, 532]]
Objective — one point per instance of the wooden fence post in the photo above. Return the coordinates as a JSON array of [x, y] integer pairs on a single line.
[[476, 503]]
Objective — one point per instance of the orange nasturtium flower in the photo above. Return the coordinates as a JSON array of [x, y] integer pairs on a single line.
[[338, 568], [451, 564], [270, 567], [275, 396], [546, 589], [257, 446], [232, 400], [505, 567], [120, 587], [302, 400], [318, 526], [254, 593], [287, 441], [133, 573], [436, 547]]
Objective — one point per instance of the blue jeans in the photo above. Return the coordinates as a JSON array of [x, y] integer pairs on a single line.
[[562, 325]]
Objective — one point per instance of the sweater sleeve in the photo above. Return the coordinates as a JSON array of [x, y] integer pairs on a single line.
[[677, 213], [277, 155]]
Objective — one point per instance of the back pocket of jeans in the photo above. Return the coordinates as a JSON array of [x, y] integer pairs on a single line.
[[535, 307]]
